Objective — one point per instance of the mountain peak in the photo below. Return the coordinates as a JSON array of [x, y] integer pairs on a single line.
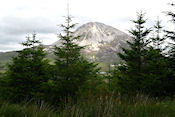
[[96, 32], [94, 23], [91, 28], [101, 41]]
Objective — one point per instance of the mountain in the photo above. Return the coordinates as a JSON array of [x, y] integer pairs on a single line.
[[102, 42]]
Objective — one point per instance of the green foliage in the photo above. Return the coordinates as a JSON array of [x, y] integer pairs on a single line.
[[156, 81], [27, 72], [145, 68], [171, 53], [95, 106], [72, 71], [132, 69], [120, 106], [26, 110], [75, 87], [158, 40], [171, 35]]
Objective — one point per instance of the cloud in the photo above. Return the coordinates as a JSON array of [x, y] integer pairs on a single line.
[[10, 39], [17, 26], [10, 47], [14, 30]]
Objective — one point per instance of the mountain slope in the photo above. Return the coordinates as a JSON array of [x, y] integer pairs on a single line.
[[102, 42]]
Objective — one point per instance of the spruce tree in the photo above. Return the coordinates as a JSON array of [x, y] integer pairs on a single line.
[[155, 75], [171, 54], [27, 71], [145, 68], [131, 72], [171, 36], [73, 72], [155, 70], [158, 40]]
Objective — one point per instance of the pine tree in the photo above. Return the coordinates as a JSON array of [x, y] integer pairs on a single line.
[[73, 71], [28, 71], [157, 40], [131, 71], [69, 52], [155, 75], [145, 68], [171, 35]]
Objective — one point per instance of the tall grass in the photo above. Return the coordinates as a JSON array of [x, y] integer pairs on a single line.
[[111, 106], [25, 110], [95, 106]]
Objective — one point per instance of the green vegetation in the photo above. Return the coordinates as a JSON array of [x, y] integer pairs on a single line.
[[27, 72], [143, 85], [133, 68], [145, 67], [102, 106], [25, 110]]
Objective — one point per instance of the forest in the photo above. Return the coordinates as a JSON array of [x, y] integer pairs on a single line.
[[142, 85]]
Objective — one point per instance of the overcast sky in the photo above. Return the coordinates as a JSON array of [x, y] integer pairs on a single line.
[[21, 17]]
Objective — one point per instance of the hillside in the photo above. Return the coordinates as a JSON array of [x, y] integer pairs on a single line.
[[102, 42]]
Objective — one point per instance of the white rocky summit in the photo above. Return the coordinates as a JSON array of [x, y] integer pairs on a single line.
[[102, 42]]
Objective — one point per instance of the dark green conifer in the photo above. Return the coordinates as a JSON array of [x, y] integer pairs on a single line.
[[28, 71], [73, 72], [171, 53], [133, 67], [158, 40]]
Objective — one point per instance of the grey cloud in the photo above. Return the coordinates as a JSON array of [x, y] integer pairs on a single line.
[[18, 26], [10, 42], [10, 39], [10, 47], [13, 30]]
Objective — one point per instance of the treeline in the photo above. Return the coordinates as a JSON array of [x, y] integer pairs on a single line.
[[146, 68]]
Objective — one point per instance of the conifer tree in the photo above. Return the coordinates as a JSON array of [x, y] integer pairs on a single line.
[[145, 68], [131, 71], [28, 71], [171, 35], [155, 75], [73, 71], [157, 40]]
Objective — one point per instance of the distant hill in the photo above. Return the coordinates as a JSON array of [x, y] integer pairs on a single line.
[[6, 56]]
